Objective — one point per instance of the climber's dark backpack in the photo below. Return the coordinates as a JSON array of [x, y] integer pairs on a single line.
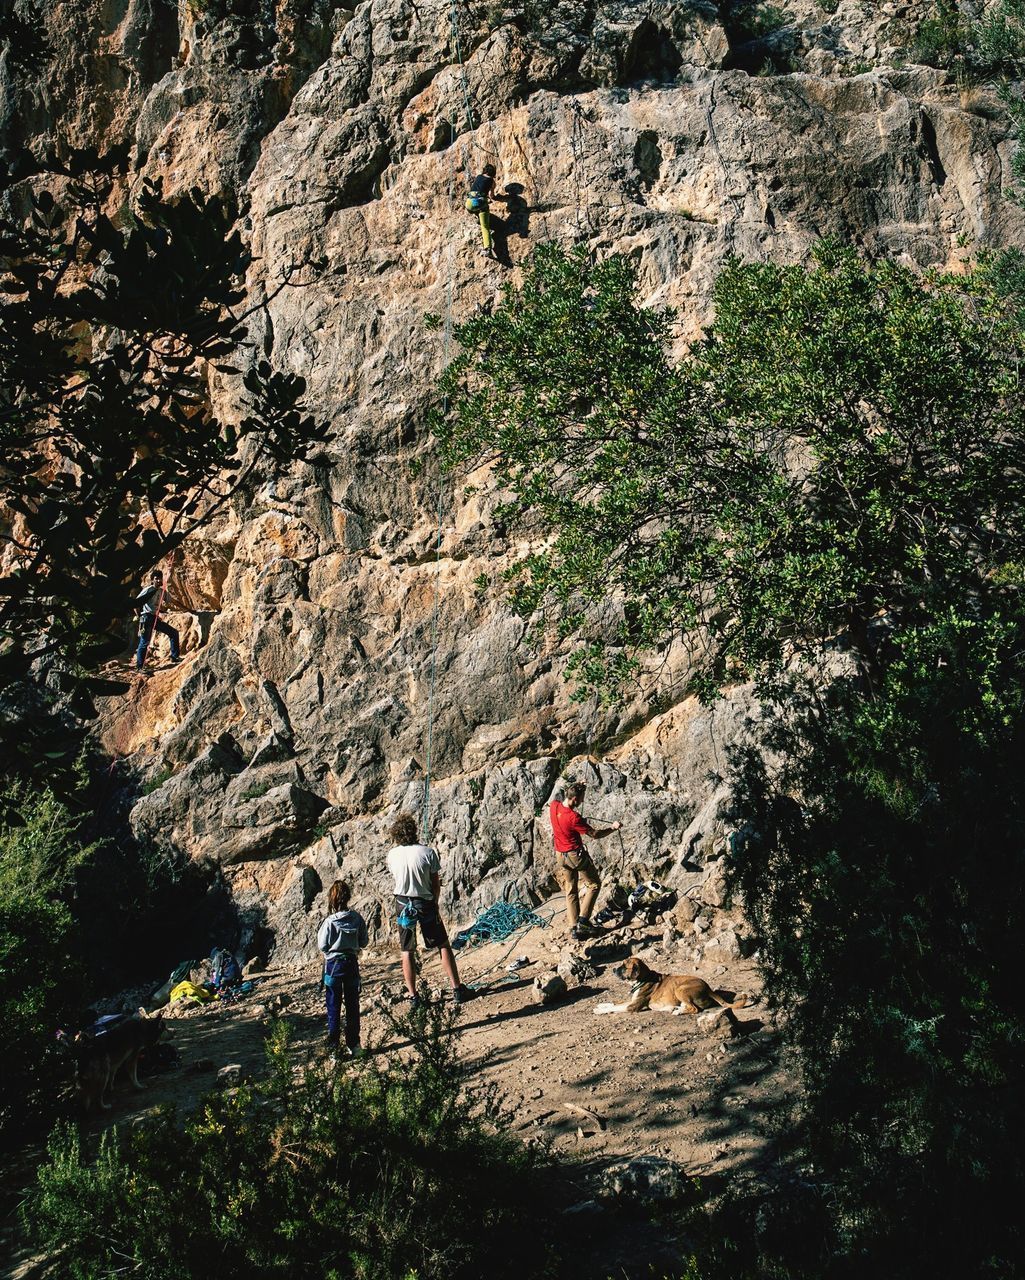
[[226, 972]]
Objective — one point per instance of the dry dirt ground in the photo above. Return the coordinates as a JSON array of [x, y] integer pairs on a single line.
[[597, 1088]]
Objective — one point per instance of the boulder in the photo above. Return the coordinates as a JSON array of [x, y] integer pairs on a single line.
[[713, 891], [684, 913], [645, 1179], [575, 968], [727, 944], [718, 1024], [549, 988]]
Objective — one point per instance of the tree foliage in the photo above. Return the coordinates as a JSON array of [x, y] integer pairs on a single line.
[[844, 444], [828, 486], [114, 320], [40, 975]]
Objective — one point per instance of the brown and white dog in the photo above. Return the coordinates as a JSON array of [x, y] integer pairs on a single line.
[[673, 994], [98, 1058]]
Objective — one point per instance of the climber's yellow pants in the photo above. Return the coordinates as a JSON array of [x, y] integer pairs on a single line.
[[485, 224]]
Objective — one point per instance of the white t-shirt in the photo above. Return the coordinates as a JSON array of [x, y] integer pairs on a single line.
[[412, 865]]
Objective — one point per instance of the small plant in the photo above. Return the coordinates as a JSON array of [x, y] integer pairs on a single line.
[[156, 781], [254, 791]]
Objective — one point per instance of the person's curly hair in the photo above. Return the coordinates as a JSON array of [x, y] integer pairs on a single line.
[[403, 829]]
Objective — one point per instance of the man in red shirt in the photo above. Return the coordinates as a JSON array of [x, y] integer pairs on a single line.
[[573, 862]]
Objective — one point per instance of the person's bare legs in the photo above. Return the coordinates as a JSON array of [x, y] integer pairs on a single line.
[[448, 963], [409, 971]]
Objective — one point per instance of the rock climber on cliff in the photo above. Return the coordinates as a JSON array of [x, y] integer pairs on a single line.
[[573, 862], [148, 602], [482, 191]]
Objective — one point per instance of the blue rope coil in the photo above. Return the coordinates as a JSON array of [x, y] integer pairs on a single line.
[[497, 923]]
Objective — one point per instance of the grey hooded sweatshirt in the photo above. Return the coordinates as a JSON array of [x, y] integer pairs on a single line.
[[345, 931]]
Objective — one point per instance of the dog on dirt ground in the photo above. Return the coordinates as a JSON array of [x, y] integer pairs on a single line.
[[100, 1056], [673, 994]]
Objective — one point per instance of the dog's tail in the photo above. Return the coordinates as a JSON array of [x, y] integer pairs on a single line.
[[729, 1000]]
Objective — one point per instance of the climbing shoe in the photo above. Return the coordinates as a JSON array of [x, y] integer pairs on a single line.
[[462, 993]]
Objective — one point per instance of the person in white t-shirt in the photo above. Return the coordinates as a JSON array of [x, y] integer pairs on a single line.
[[417, 871]]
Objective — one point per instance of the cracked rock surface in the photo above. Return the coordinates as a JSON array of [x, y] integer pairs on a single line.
[[299, 721]]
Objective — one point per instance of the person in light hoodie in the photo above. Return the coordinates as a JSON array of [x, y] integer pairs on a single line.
[[342, 935]]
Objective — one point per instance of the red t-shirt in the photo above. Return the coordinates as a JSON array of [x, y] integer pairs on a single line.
[[567, 828]]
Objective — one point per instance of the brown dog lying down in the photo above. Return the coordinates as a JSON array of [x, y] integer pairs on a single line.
[[99, 1058], [673, 994]]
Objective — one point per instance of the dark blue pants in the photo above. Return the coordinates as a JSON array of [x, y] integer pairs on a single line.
[[344, 988], [146, 629]]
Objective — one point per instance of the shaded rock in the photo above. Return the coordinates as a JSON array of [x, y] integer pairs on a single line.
[[575, 968], [645, 1179]]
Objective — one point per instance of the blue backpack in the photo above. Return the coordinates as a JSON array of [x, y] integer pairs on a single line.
[[225, 971]]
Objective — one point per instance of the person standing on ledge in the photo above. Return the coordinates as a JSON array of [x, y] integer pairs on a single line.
[[148, 602], [573, 862], [482, 191], [417, 871]]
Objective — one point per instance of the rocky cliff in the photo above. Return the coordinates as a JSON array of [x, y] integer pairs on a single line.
[[322, 613]]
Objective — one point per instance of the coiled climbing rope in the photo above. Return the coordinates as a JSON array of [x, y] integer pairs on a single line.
[[499, 922]]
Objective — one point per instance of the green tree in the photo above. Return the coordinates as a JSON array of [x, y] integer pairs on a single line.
[[827, 490], [113, 323], [40, 970], [844, 443]]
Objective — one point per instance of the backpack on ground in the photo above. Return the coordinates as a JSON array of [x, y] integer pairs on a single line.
[[224, 969]]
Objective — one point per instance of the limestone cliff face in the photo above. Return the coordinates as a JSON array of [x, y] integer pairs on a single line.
[[299, 722]]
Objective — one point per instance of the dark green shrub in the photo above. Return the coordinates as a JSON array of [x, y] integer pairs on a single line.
[[39, 973], [390, 1169], [980, 47]]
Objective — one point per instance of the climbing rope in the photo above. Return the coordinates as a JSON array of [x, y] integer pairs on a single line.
[[497, 923], [425, 815]]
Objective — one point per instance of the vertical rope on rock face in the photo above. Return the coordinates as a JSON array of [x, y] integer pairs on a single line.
[[425, 815]]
